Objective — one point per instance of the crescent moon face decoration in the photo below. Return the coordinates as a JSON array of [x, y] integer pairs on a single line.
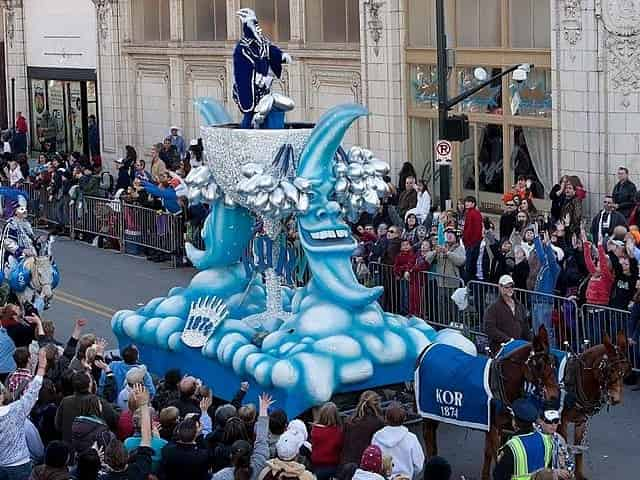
[[326, 239]]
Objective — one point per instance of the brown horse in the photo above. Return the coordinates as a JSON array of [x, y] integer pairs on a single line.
[[593, 379], [530, 363]]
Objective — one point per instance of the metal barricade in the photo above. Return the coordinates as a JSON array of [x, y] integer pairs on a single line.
[[599, 320], [148, 228], [559, 314], [97, 216], [424, 294]]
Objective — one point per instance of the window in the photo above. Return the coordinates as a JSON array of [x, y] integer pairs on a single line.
[[205, 20], [531, 156], [478, 23], [424, 133], [422, 24], [482, 159], [533, 97], [151, 20], [333, 21], [530, 24], [273, 16], [424, 86], [487, 100]]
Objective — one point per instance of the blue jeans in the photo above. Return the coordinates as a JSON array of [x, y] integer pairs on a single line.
[[541, 315], [19, 472], [404, 296]]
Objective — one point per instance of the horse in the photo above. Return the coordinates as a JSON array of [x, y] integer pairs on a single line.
[[532, 363], [593, 379], [34, 278]]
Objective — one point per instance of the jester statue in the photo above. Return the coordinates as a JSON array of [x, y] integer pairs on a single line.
[[255, 62], [28, 263]]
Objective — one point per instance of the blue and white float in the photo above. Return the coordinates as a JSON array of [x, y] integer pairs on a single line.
[[234, 323]]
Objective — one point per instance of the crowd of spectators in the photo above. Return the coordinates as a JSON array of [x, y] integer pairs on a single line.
[[76, 411], [61, 180], [561, 252]]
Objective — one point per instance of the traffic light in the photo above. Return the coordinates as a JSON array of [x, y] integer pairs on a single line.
[[455, 128]]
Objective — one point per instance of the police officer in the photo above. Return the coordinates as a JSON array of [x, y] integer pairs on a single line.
[[528, 450]]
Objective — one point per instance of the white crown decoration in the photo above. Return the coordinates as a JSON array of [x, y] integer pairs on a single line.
[[204, 317]]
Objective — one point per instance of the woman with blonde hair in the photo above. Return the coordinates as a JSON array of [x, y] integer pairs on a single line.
[[359, 429], [327, 440]]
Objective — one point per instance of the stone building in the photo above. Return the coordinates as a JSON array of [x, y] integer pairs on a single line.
[[139, 65]]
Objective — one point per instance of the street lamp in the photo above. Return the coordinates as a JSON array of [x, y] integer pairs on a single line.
[[456, 127]]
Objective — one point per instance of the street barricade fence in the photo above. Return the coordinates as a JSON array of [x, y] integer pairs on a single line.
[[559, 314], [599, 320], [96, 216]]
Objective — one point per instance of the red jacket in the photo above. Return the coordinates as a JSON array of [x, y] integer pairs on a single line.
[[327, 445], [405, 261], [21, 124], [599, 287], [472, 232]]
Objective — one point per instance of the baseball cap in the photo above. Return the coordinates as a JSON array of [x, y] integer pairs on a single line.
[[505, 280], [524, 410], [551, 416]]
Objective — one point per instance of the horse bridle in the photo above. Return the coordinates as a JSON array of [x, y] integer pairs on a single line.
[[607, 372], [534, 379]]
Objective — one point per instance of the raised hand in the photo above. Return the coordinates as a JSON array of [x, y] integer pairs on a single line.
[[205, 403], [265, 402], [141, 394]]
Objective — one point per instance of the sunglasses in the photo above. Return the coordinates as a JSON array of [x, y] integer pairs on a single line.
[[555, 421]]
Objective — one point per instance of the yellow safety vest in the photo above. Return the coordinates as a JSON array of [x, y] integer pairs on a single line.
[[520, 460]]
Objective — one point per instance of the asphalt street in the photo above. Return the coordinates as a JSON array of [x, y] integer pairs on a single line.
[[96, 283]]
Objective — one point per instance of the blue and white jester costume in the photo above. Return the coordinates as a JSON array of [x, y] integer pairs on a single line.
[[253, 59]]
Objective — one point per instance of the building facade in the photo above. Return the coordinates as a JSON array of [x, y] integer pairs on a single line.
[[577, 113]]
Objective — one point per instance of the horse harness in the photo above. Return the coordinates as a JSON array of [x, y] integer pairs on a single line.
[[606, 372], [497, 379]]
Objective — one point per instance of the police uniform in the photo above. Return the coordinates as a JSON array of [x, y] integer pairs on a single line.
[[528, 451]]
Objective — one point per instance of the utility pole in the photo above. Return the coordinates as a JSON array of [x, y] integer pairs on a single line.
[[456, 128]]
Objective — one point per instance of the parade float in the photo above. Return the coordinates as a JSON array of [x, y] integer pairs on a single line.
[[232, 323]]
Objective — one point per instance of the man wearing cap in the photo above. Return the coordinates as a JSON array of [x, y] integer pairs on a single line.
[[548, 424], [528, 450], [506, 318], [177, 141]]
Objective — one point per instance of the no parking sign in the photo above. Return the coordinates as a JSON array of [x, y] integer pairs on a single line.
[[443, 152]]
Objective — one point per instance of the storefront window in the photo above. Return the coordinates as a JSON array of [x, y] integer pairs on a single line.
[[530, 22], [273, 16], [205, 20], [55, 129], [487, 100], [533, 97], [38, 109], [482, 157], [424, 86], [424, 133], [59, 114], [531, 157], [151, 21], [333, 21]]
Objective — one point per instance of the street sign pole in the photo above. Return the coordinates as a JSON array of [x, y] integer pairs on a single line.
[[443, 98]]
